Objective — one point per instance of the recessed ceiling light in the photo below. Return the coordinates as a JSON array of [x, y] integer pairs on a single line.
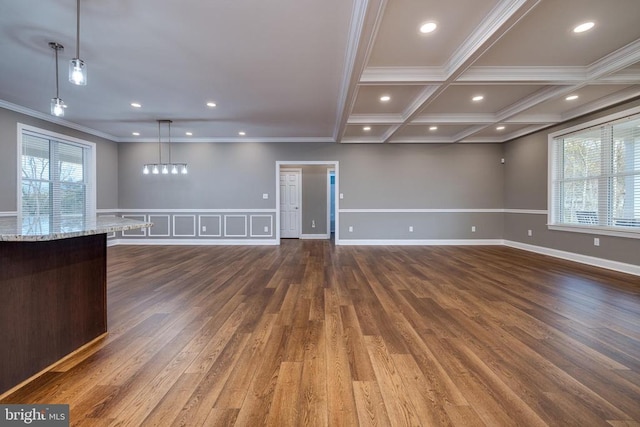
[[571, 97], [135, 133], [586, 26], [136, 105], [433, 127], [385, 98], [366, 128], [241, 133], [499, 127], [188, 133], [477, 98], [428, 27], [211, 104]]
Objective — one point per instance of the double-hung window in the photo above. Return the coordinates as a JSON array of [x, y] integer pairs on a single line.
[[595, 177], [56, 186]]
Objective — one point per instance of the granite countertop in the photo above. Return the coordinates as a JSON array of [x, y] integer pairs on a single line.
[[37, 229]]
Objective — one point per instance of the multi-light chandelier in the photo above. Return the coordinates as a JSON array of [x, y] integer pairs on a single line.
[[160, 167]]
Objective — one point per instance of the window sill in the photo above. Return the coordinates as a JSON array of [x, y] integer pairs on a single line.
[[602, 231]]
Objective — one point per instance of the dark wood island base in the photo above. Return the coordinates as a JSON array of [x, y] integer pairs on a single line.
[[52, 302]]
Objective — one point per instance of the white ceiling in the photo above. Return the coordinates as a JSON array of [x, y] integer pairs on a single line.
[[314, 70]]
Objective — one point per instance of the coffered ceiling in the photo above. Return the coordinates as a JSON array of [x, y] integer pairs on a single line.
[[315, 70]]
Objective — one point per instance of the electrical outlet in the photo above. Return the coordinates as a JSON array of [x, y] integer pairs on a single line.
[[596, 241], [529, 233], [313, 223], [351, 229], [473, 228], [266, 228], [265, 196], [411, 229], [204, 228]]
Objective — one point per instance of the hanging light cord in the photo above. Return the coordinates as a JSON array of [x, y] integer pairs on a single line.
[[78, 31], [159, 144], [169, 141], [57, 88]]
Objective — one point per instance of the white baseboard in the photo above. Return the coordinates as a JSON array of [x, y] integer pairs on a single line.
[[9, 213], [315, 236], [583, 259], [416, 242], [194, 242]]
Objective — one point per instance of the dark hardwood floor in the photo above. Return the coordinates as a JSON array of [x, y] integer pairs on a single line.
[[311, 334]]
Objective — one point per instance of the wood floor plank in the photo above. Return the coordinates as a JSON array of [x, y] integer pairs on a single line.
[[309, 334]]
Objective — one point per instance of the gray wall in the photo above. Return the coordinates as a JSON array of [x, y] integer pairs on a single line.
[[371, 176], [314, 199], [233, 177], [526, 188], [106, 155]]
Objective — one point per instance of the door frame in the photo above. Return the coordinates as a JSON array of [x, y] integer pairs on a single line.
[[288, 164], [329, 171], [298, 170]]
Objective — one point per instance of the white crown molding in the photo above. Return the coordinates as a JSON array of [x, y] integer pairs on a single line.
[[615, 61], [420, 140], [366, 18], [607, 101], [534, 99], [413, 108], [464, 118], [52, 119], [526, 131], [630, 76], [361, 140], [534, 74], [495, 25], [375, 119], [535, 119], [402, 75], [468, 132]]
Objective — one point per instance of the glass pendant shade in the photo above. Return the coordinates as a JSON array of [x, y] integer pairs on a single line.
[[184, 169], [155, 170], [165, 169], [174, 169], [57, 107], [145, 170], [77, 72]]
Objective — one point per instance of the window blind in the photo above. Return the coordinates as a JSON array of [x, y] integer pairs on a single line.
[[596, 176], [54, 183]]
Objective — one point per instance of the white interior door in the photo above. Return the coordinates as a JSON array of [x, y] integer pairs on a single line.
[[290, 202]]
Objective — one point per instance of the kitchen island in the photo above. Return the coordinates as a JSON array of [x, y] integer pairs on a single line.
[[53, 290]]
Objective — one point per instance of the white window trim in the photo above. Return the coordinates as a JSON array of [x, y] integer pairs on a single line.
[[551, 209], [92, 198]]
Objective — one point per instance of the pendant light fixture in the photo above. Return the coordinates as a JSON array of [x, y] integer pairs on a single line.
[[57, 104], [164, 168], [77, 67]]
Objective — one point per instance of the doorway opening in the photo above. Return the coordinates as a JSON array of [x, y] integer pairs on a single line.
[[316, 215]]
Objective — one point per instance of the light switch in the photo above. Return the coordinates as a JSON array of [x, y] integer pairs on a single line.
[[341, 196], [265, 195]]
